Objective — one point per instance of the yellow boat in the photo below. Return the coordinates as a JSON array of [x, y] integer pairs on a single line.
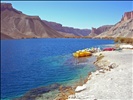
[[83, 53], [75, 55]]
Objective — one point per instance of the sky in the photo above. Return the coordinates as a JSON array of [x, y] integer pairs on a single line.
[[77, 14]]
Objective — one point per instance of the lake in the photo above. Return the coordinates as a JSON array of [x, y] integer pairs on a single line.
[[31, 63]]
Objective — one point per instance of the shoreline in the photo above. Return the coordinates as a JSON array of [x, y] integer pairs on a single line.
[[52, 94], [106, 61], [110, 81]]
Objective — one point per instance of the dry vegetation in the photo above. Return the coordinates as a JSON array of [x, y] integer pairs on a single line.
[[119, 39], [105, 37], [124, 40], [108, 37]]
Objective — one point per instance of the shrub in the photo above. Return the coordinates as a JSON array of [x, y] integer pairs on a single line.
[[124, 40]]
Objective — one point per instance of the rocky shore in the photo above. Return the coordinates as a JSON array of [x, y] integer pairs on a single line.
[[112, 81]]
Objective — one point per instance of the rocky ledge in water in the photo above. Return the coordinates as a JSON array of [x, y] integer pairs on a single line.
[[37, 92]]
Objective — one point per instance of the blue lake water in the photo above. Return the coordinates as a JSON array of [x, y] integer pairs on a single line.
[[31, 63]]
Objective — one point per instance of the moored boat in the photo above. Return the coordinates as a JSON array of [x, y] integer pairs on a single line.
[[108, 49], [82, 53]]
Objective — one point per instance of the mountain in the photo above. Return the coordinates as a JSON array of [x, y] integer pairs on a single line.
[[97, 31], [124, 28], [71, 30], [15, 24], [4, 36]]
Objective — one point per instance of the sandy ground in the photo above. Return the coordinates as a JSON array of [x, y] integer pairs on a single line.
[[115, 84]]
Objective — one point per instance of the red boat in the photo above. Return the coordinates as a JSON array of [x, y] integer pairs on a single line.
[[108, 49]]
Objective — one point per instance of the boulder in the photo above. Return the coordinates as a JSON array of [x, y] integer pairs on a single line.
[[80, 88]]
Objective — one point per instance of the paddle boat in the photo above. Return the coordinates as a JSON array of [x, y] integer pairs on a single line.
[[108, 49], [82, 53]]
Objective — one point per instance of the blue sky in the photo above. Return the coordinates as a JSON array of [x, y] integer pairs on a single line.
[[78, 14]]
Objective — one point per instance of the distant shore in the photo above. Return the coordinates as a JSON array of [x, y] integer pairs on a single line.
[[112, 81], [116, 39]]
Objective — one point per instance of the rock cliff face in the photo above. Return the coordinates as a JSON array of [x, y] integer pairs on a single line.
[[17, 25], [71, 30], [123, 28], [97, 31], [127, 16]]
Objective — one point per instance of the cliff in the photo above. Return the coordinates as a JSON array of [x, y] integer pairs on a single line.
[[71, 30], [124, 28], [97, 31], [17, 25], [127, 16]]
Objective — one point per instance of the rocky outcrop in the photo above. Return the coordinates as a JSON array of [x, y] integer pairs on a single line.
[[8, 6], [37, 92], [97, 31], [94, 32], [71, 30], [123, 28], [127, 16], [17, 25]]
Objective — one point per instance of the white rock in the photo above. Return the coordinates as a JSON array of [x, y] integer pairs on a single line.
[[97, 72], [126, 46], [101, 71], [80, 88]]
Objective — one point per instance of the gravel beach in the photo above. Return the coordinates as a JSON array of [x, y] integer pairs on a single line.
[[114, 83]]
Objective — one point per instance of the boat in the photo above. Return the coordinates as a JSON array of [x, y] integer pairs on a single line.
[[82, 53], [108, 49]]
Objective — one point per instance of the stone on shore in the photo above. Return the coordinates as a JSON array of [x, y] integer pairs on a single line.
[[80, 88]]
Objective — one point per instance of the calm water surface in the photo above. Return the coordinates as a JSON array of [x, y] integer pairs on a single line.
[[31, 63]]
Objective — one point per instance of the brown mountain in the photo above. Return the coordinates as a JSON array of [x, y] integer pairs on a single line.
[[71, 30], [97, 31], [15, 24], [123, 28], [4, 36], [127, 16]]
